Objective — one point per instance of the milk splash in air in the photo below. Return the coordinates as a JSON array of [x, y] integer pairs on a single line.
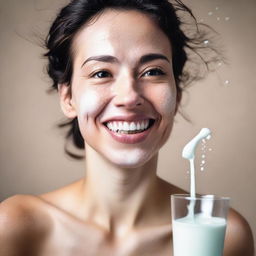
[[189, 154]]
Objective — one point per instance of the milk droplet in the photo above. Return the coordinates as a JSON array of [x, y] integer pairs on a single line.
[[210, 13], [226, 82], [206, 41], [227, 18], [203, 162], [208, 137], [202, 168], [203, 156]]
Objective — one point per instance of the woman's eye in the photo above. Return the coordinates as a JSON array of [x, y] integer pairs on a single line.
[[154, 72], [101, 74]]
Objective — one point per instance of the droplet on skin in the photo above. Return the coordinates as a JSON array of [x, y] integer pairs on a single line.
[[216, 8], [218, 18], [206, 41], [210, 13], [210, 149], [202, 168], [203, 140], [227, 18], [203, 162], [203, 156]]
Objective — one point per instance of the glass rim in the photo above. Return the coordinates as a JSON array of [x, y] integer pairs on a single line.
[[201, 197]]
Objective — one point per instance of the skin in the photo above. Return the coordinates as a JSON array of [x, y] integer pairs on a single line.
[[120, 207]]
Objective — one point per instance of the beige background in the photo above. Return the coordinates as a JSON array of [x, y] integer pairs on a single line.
[[31, 148]]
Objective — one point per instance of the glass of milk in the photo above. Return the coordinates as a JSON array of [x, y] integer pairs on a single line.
[[199, 224]]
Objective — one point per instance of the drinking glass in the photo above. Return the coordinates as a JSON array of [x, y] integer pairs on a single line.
[[199, 224]]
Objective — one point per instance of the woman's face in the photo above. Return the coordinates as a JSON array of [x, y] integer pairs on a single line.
[[123, 88]]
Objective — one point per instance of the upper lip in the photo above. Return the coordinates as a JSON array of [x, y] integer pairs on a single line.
[[128, 118]]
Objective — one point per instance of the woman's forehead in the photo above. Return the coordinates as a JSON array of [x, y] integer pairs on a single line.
[[118, 31]]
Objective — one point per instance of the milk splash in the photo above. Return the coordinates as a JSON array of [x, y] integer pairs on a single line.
[[189, 154]]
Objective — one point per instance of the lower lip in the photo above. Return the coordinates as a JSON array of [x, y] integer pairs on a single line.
[[130, 138]]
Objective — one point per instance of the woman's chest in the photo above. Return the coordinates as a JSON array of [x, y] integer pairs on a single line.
[[73, 240]]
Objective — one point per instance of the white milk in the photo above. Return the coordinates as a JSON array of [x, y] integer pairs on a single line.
[[189, 153], [198, 234]]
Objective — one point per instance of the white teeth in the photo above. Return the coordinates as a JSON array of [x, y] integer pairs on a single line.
[[146, 124], [115, 126], [128, 126], [132, 126]]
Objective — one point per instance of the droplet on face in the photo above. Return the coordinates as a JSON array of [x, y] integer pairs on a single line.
[[227, 18], [202, 168], [218, 18], [210, 13], [203, 156], [216, 8], [210, 149], [206, 41]]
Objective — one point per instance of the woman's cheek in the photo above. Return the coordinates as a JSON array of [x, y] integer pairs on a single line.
[[89, 104], [165, 100]]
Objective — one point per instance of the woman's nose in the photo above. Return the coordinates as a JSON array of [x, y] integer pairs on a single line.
[[127, 93]]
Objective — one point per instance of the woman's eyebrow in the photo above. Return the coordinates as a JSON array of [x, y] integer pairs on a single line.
[[143, 59], [102, 58], [152, 56]]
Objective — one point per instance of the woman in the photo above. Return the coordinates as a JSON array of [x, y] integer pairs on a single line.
[[118, 68]]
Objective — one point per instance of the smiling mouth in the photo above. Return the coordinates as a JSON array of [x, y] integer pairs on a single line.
[[133, 127]]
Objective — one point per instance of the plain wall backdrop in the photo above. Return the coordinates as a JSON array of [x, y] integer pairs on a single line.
[[32, 158]]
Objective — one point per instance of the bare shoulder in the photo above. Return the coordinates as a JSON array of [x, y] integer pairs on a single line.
[[239, 238], [23, 225]]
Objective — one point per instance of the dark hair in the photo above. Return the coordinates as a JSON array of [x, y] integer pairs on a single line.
[[78, 12]]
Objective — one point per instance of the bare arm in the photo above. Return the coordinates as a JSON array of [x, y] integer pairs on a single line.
[[239, 238]]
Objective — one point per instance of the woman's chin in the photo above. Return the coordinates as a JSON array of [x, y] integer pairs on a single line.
[[129, 160]]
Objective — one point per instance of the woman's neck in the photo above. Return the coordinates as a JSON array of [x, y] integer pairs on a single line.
[[114, 195]]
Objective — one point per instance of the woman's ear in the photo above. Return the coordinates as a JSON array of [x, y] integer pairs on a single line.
[[66, 102]]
